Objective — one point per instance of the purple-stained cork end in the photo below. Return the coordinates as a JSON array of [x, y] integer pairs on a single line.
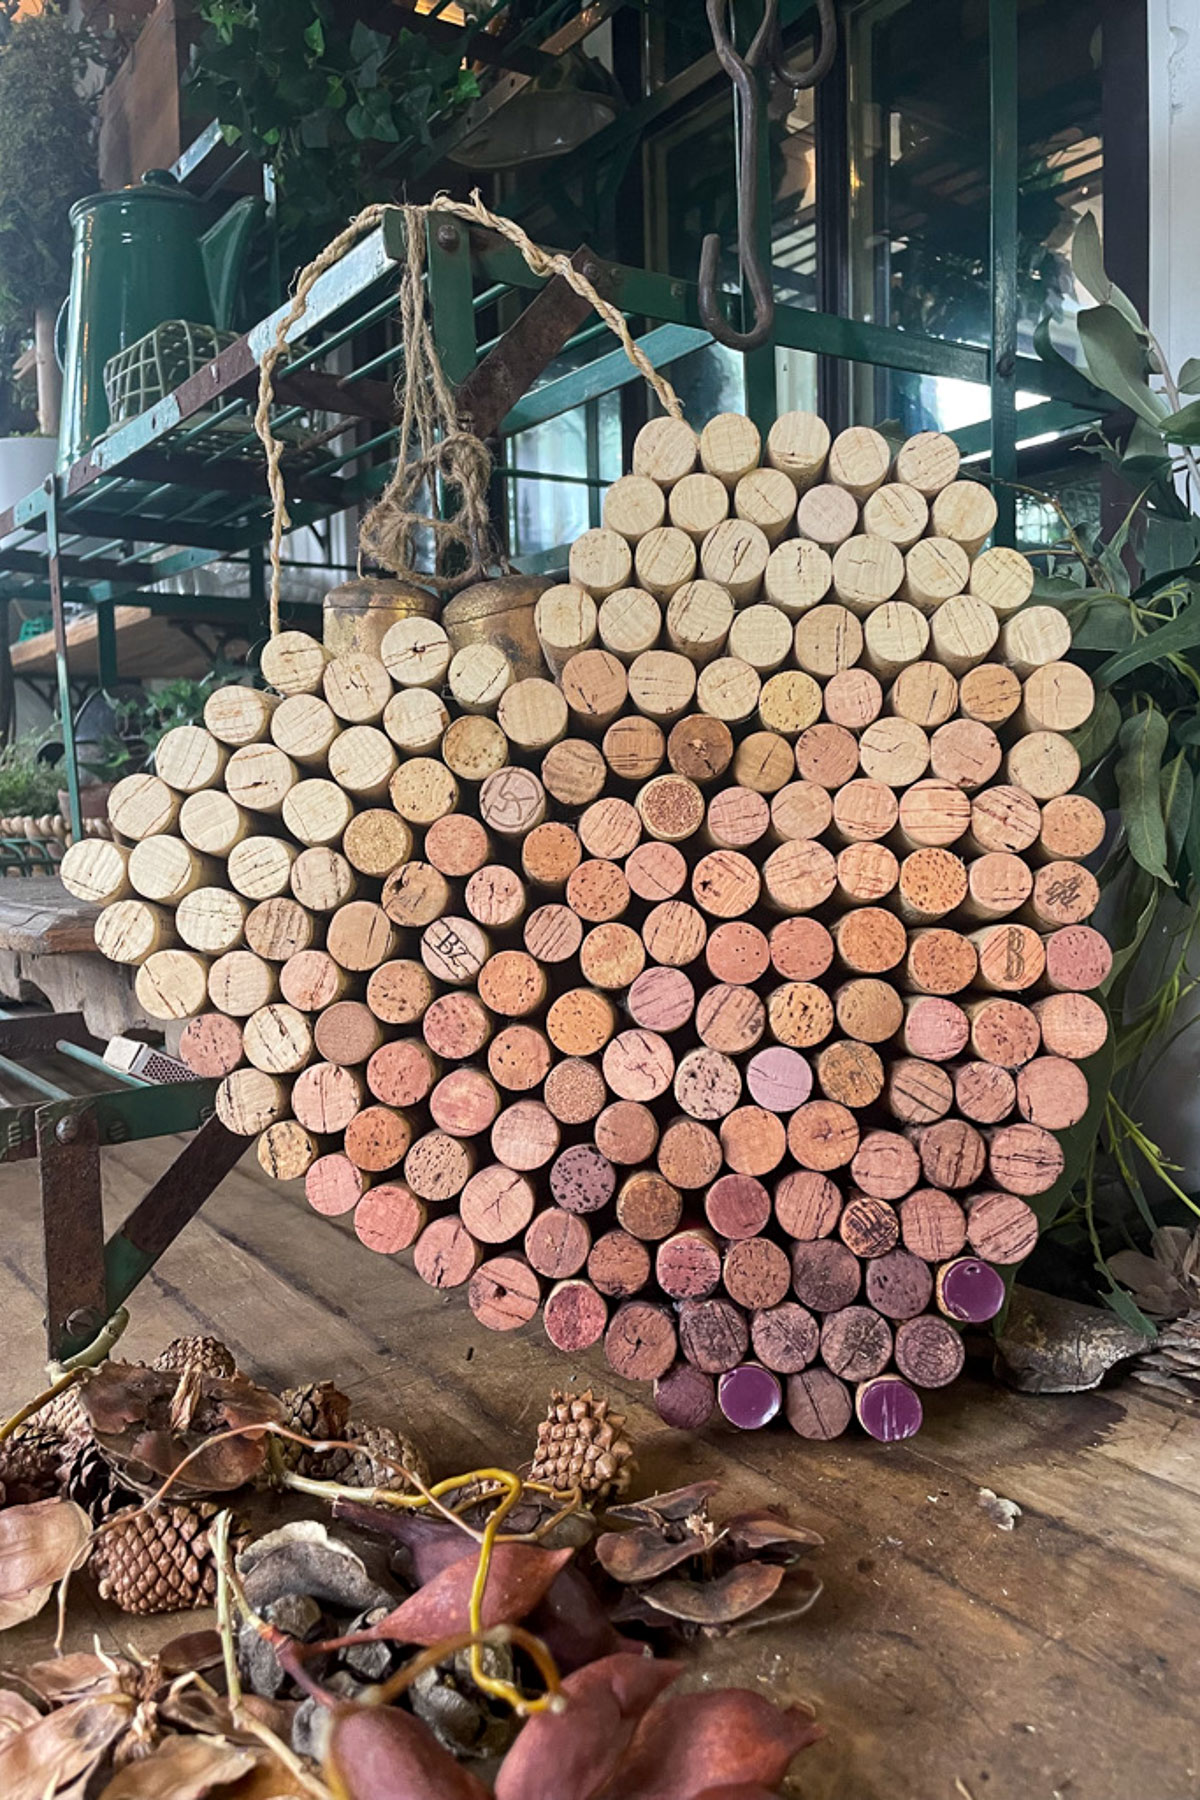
[[685, 1397], [779, 1079], [970, 1291], [888, 1409], [749, 1396]]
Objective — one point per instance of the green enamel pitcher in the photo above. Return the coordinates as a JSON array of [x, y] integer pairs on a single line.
[[141, 255]]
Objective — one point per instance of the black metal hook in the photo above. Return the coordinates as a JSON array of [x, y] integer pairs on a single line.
[[766, 48]]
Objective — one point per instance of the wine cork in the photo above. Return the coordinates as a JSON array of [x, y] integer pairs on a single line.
[[737, 1207], [935, 570], [129, 931], [737, 817], [456, 1026], [800, 1014], [311, 980], [165, 869], [286, 1151], [929, 1351], [664, 560], [445, 1254], [526, 1136], [697, 503], [1058, 696], [390, 1218], [785, 1337], [626, 1133], [757, 1273], [1064, 893], [989, 694], [655, 871], [929, 461], [612, 956], [402, 1073], [598, 891], [640, 1343], [574, 1091], [454, 950], [935, 1029], [1002, 579], [762, 637], [209, 919], [925, 693], [859, 460], [618, 1265], [1011, 958], [347, 1033], [438, 1166], [317, 811], [856, 1344], [358, 687], [869, 1010], [600, 562], [886, 1167], [1077, 959], [629, 622], [984, 1092], [918, 1092], [172, 984], [188, 758], [573, 772], [870, 941], [864, 811], [827, 640], [964, 753], [512, 984], [729, 447], [549, 855], [478, 675], [940, 961], [595, 688], [238, 715], [142, 806], [276, 929], [818, 1405], [638, 1065], [553, 934], [414, 895], [96, 871], [1072, 1025], [864, 873], [671, 808], [249, 1101], [375, 843], [210, 822], [798, 444], [303, 726], [362, 761], [764, 762], [713, 1334], [698, 619], [665, 450], [239, 983], [533, 714], [377, 1139], [850, 1073], [730, 1018], [610, 829], [689, 1154], [474, 748], [1072, 827], [700, 748], [1043, 764], [828, 755], [728, 689], [292, 662], [1023, 1159], [799, 574], [735, 555], [827, 516], [963, 632], [1000, 1227], [415, 652], [1004, 818], [825, 1274], [866, 572], [557, 1243], [580, 1022], [766, 498], [969, 1291], [423, 790], [853, 698], [512, 801], [896, 512], [895, 635], [707, 1084], [400, 992], [952, 1153], [1051, 1092], [361, 936], [893, 751], [565, 620], [754, 1141], [277, 1039], [964, 511], [634, 505], [575, 1314], [802, 809], [1034, 637], [933, 882], [662, 684], [322, 879], [799, 876]]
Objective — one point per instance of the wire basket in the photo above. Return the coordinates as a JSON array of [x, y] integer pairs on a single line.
[[140, 375]]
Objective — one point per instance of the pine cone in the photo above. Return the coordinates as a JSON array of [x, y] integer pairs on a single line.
[[579, 1445], [157, 1561], [29, 1466], [209, 1353], [1173, 1362], [88, 1479], [316, 1410], [360, 1468], [63, 1417]]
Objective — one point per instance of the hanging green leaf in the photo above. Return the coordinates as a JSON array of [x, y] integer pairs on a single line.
[[1116, 360], [1182, 427], [1192, 844], [1087, 264], [1179, 633], [1189, 376], [1143, 740], [1100, 732], [1137, 912], [1103, 625], [1176, 794], [314, 37]]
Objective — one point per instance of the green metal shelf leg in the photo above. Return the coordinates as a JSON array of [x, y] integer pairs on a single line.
[[1003, 80]]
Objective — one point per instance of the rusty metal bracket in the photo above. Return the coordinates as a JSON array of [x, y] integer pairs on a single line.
[[37, 1033], [68, 1145]]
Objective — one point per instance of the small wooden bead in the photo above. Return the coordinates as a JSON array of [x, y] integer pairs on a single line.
[[211, 1045], [247, 1102], [600, 562], [475, 749], [325, 1097], [918, 1092], [512, 801], [896, 512], [557, 1243], [665, 450], [932, 1225], [626, 1133], [1044, 764], [735, 555], [278, 1040], [519, 1058], [239, 715], [478, 676], [633, 506], [689, 1154], [317, 812], [729, 447]]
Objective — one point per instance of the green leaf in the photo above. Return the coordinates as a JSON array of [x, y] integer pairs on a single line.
[[1087, 264], [1127, 1308], [1182, 427], [1143, 740], [1189, 376], [1192, 844], [1176, 795], [358, 121], [1116, 360], [314, 37], [1101, 731], [1104, 625], [365, 43], [1140, 905], [1058, 590], [1045, 347], [1179, 633]]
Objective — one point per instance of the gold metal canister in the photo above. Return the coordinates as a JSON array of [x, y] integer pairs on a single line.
[[500, 612], [359, 612]]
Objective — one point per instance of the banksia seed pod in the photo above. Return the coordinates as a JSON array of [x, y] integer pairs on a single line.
[[363, 1468], [157, 1561], [580, 1445], [315, 1410], [209, 1354]]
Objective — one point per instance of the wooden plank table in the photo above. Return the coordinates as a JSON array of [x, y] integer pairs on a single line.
[[948, 1660], [47, 952]]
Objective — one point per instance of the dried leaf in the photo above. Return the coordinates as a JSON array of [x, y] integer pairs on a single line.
[[519, 1577], [668, 1508], [63, 1746], [570, 1754], [799, 1590], [739, 1791], [39, 1544], [191, 1651], [381, 1753], [644, 1553], [753, 1532], [718, 1602], [689, 1743], [132, 1413], [182, 1768], [71, 1677], [15, 1713], [304, 1558], [572, 1623], [429, 1544]]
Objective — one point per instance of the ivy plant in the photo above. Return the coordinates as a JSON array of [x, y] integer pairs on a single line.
[[322, 99]]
